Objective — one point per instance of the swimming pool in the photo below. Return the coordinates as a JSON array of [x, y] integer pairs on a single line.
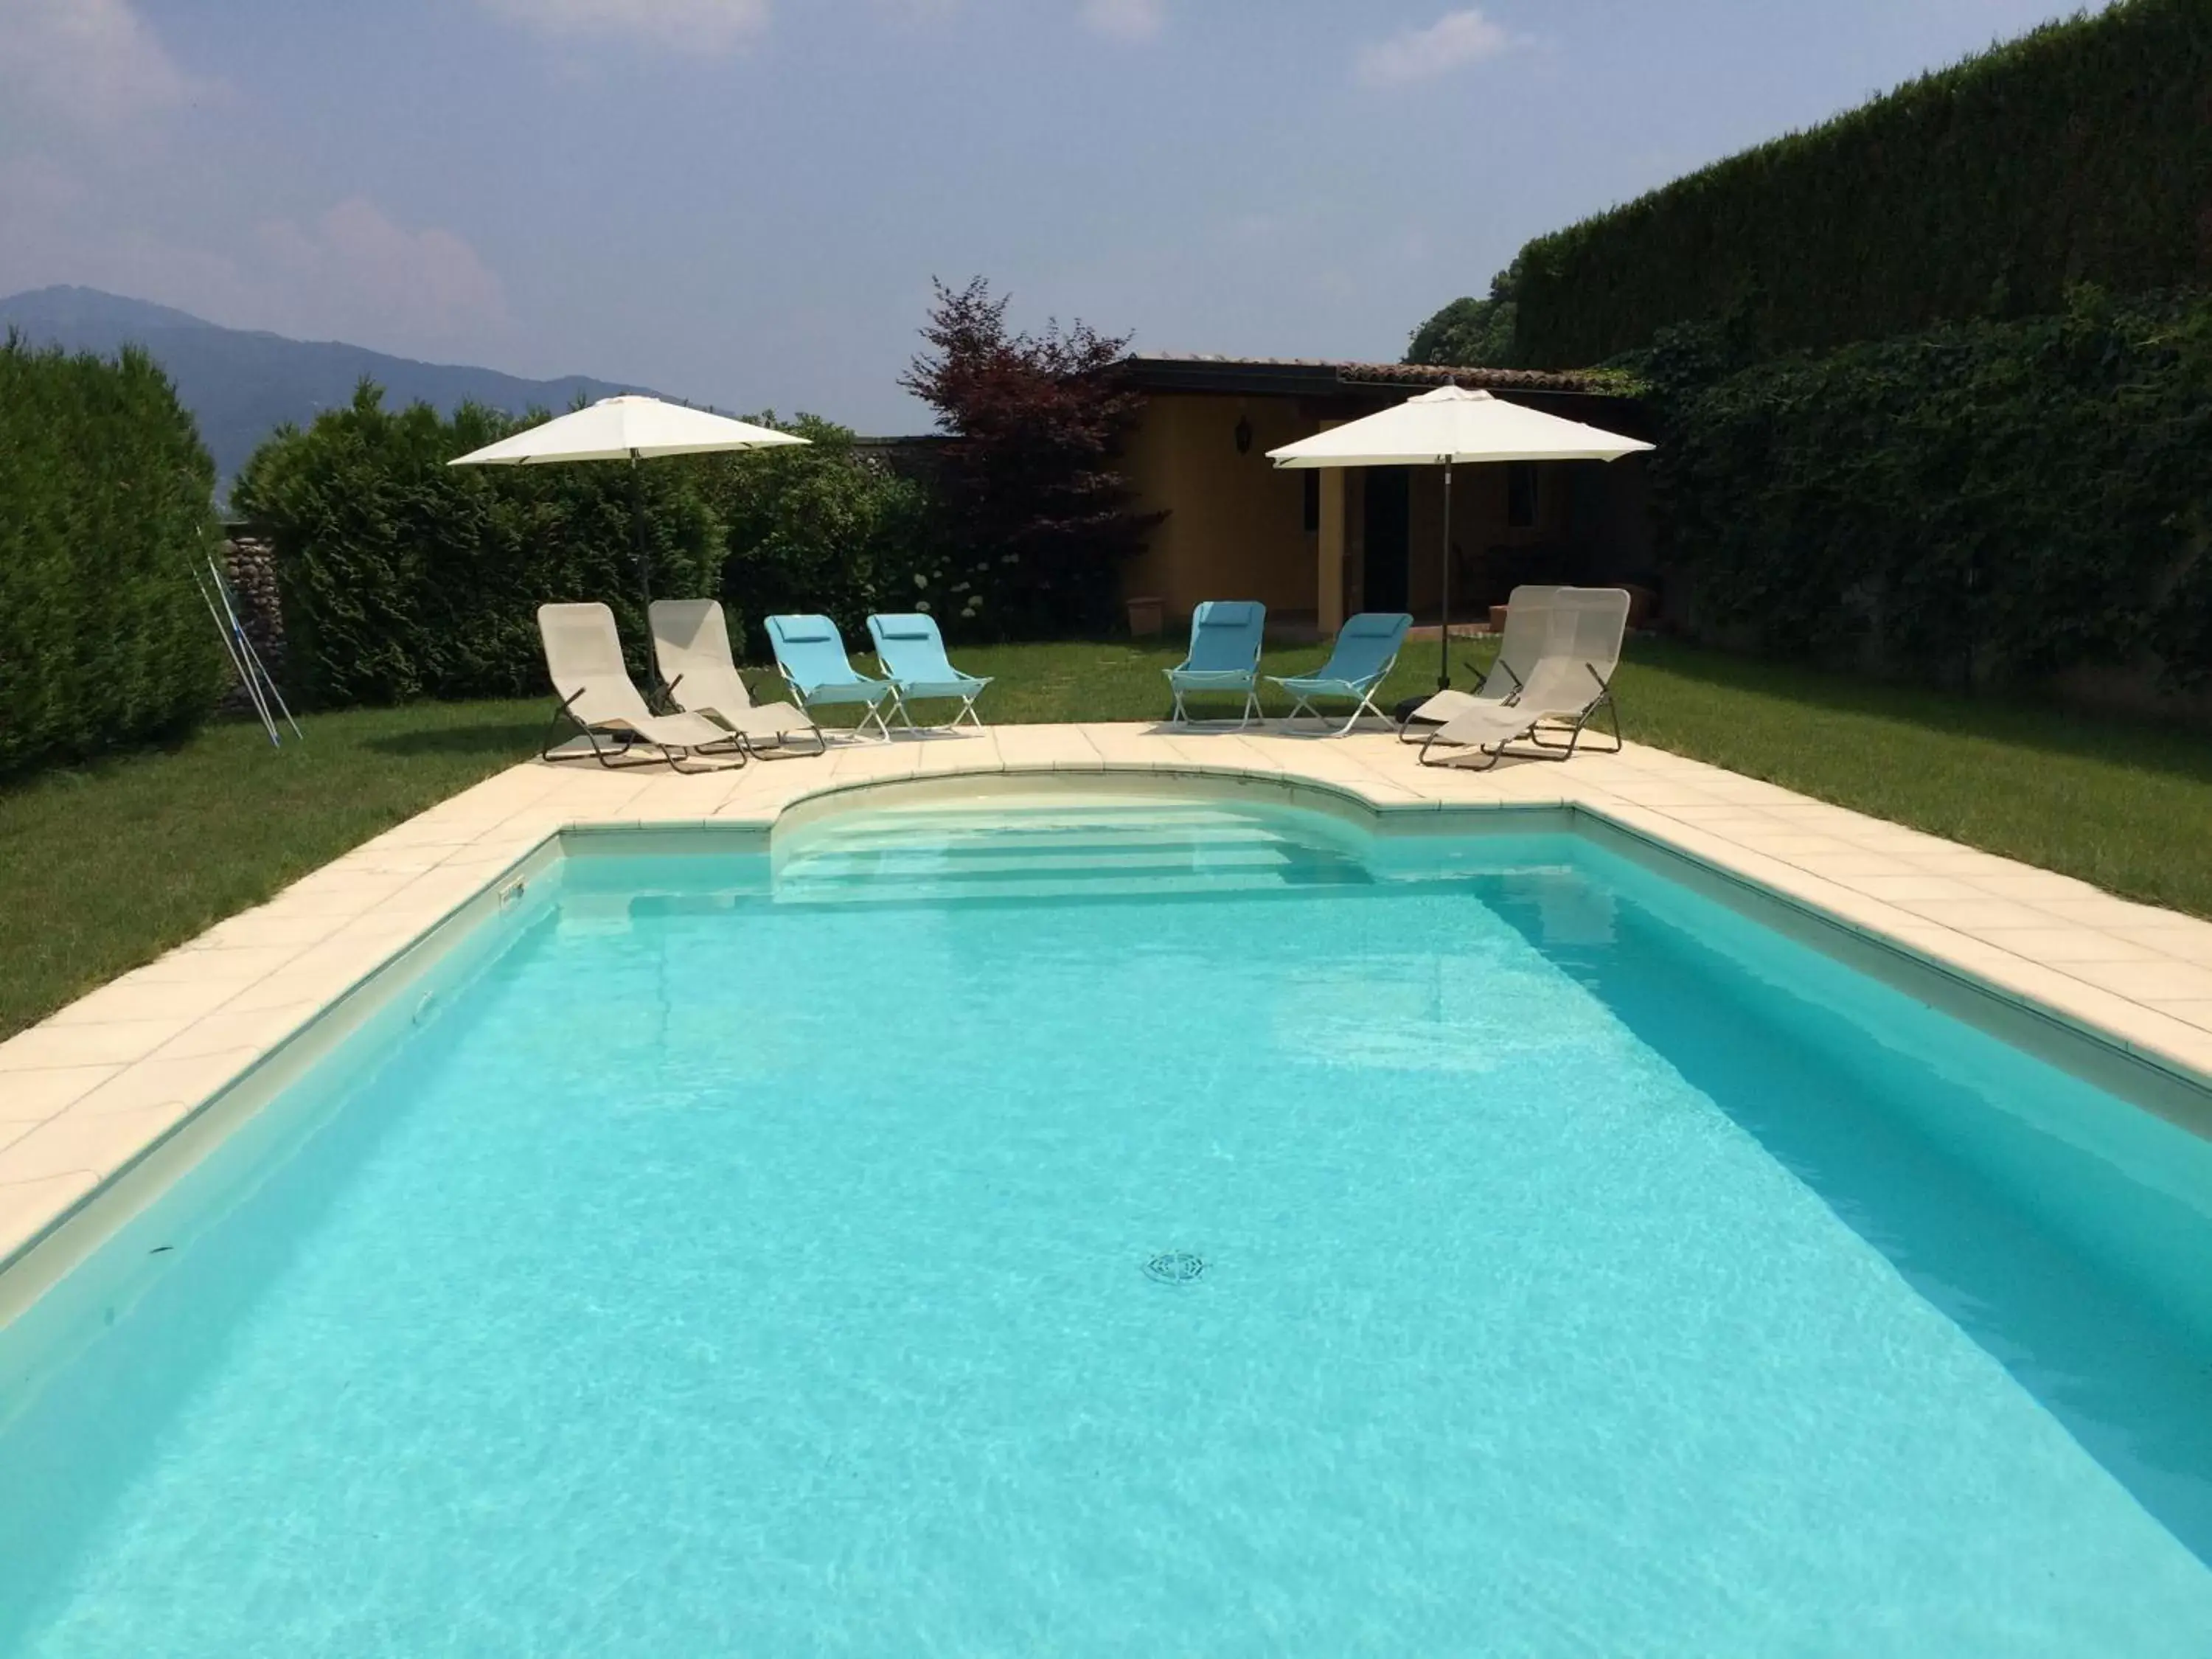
[[1106, 1230]]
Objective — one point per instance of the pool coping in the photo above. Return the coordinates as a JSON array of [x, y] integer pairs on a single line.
[[111, 1097]]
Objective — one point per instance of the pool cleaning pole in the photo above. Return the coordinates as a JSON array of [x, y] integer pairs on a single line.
[[245, 674], [268, 693]]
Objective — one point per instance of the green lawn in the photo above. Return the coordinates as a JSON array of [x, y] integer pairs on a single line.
[[189, 835], [2124, 804], [106, 866]]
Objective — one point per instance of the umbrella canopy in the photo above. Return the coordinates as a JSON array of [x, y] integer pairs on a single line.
[[626, 428], [632, 429], [1449, 426]]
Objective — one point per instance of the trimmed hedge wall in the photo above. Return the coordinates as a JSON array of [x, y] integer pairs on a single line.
[[822, 529], [403, 577], [106, 511], [2080, 153], [1981, 501]]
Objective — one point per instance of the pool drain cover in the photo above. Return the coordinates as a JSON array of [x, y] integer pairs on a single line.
[[1175, 1267]]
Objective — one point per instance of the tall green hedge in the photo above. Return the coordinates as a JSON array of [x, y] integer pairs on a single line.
[[402, 577], [821, 529], [106, 511], [2081, 152], [1980, 501]]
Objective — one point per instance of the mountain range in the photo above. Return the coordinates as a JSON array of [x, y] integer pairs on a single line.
[[241, 384]]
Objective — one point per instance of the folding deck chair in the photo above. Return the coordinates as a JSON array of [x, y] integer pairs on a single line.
[[692, 644], [811, 655], [1569, 685], [1224, 656], [1526, 609], [912, 652], [583, 659], [1366, 647]]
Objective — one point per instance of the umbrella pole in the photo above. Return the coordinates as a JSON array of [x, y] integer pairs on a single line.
[[637, 531], [1443, 633], [644, 561]]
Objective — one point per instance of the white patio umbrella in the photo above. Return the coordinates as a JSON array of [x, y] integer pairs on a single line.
[[1453, 426], [633, 428]]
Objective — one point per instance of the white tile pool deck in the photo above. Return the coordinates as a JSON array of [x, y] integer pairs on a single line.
[[84, 1093]]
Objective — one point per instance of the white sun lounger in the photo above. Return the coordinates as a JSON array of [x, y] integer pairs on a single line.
[[583, 656], [1567, 687], [1526, 610], [691, 643]]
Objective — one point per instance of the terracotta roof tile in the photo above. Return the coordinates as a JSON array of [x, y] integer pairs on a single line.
[[1170, 366]]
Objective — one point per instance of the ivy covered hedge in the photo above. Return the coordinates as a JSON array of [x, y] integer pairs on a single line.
[[2080, 153], [1983, 500], [402, 577], [105, 516]]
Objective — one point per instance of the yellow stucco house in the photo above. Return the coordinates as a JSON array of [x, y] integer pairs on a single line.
[[1317, 546]]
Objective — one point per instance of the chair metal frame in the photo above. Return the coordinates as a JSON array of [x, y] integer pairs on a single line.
[[927, 692], [1363, 697], [1533, 734], [1249, 684], [780, 748], [621, 741]]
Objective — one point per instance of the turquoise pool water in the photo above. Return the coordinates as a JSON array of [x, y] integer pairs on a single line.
[[1153, 1232]]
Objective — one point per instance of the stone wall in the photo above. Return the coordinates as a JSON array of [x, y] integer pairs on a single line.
[[251, 563]]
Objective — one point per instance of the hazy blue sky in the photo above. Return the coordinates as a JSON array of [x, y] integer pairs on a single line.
[[743, 201]]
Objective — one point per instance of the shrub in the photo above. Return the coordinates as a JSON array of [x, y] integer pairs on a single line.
[[2077, 154], [105, 517], [1982, 501], [403, 577], [821, 529]]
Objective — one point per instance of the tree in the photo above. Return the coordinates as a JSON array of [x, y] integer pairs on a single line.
[[1041, 517], [105, 525], [1472, 333]]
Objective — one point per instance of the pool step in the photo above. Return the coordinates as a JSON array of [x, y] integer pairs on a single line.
[[910, 858]]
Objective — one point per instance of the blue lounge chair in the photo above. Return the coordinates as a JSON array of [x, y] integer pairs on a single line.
[[1366, 647], [912, 652], [1224, 656], [811, 655]]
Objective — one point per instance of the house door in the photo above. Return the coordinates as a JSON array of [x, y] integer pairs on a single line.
[[1389, 523]]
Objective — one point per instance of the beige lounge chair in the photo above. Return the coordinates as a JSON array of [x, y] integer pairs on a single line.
[[1526, 610], [1567, 687], [583, 656], [691, 643]]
